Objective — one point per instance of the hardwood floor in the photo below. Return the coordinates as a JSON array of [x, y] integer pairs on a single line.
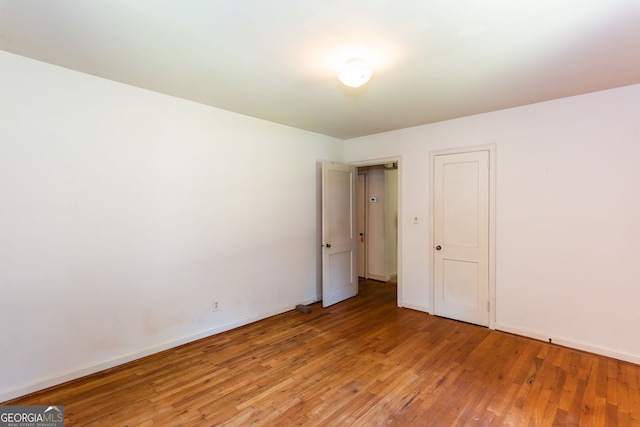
[[362, 362]]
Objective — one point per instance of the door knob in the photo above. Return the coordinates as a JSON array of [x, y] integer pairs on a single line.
[[438, 247], [328, 245]]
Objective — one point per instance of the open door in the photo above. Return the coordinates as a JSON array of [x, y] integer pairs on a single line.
[[339, 261]]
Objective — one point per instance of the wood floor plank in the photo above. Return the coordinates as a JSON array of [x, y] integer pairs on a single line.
[[633, 376], [362, 362], [588, 399]]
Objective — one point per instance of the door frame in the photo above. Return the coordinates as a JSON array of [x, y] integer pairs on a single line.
[[491, 148], [380, 161]]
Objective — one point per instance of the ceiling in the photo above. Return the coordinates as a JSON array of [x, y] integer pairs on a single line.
[[277, 60]]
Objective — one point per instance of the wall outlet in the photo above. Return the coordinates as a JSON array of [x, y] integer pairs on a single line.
[[216, 305]]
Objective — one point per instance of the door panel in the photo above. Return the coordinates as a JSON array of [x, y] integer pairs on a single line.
[[461, 236], [460, 204], [339, 275], [460, 279]]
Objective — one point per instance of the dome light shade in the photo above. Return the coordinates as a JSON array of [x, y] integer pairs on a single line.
[[356, 73]]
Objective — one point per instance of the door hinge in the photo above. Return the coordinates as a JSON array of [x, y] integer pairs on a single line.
[[489, 306]]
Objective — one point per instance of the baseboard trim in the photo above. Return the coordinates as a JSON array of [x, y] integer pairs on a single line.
[[565, 342], [74, 374], [414, 307]]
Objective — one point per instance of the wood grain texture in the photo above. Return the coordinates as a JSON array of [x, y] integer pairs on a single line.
[[362, 362]]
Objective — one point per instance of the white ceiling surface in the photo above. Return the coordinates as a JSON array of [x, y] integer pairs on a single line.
[[278, 59]]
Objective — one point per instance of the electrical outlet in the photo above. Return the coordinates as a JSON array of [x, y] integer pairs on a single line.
[[216, 305]]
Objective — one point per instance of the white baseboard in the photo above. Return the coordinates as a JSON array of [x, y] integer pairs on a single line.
[[83, 371], [413, 306], [565, 342], [318, 298]]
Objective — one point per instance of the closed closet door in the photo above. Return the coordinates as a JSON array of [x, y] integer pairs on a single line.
[[461, 236]]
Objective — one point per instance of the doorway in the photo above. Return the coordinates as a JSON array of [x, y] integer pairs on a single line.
[[378, 227], [377, 207]]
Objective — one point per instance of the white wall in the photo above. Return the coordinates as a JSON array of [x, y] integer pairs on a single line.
[[124, 213], [567, 215]]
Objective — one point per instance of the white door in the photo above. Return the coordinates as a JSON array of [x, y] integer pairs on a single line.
[[461, 236], [339, 272]]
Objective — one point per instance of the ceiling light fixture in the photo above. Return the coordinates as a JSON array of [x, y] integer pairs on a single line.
[[356, 73]]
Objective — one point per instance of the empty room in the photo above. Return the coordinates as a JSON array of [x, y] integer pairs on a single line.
[[180, 228]]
